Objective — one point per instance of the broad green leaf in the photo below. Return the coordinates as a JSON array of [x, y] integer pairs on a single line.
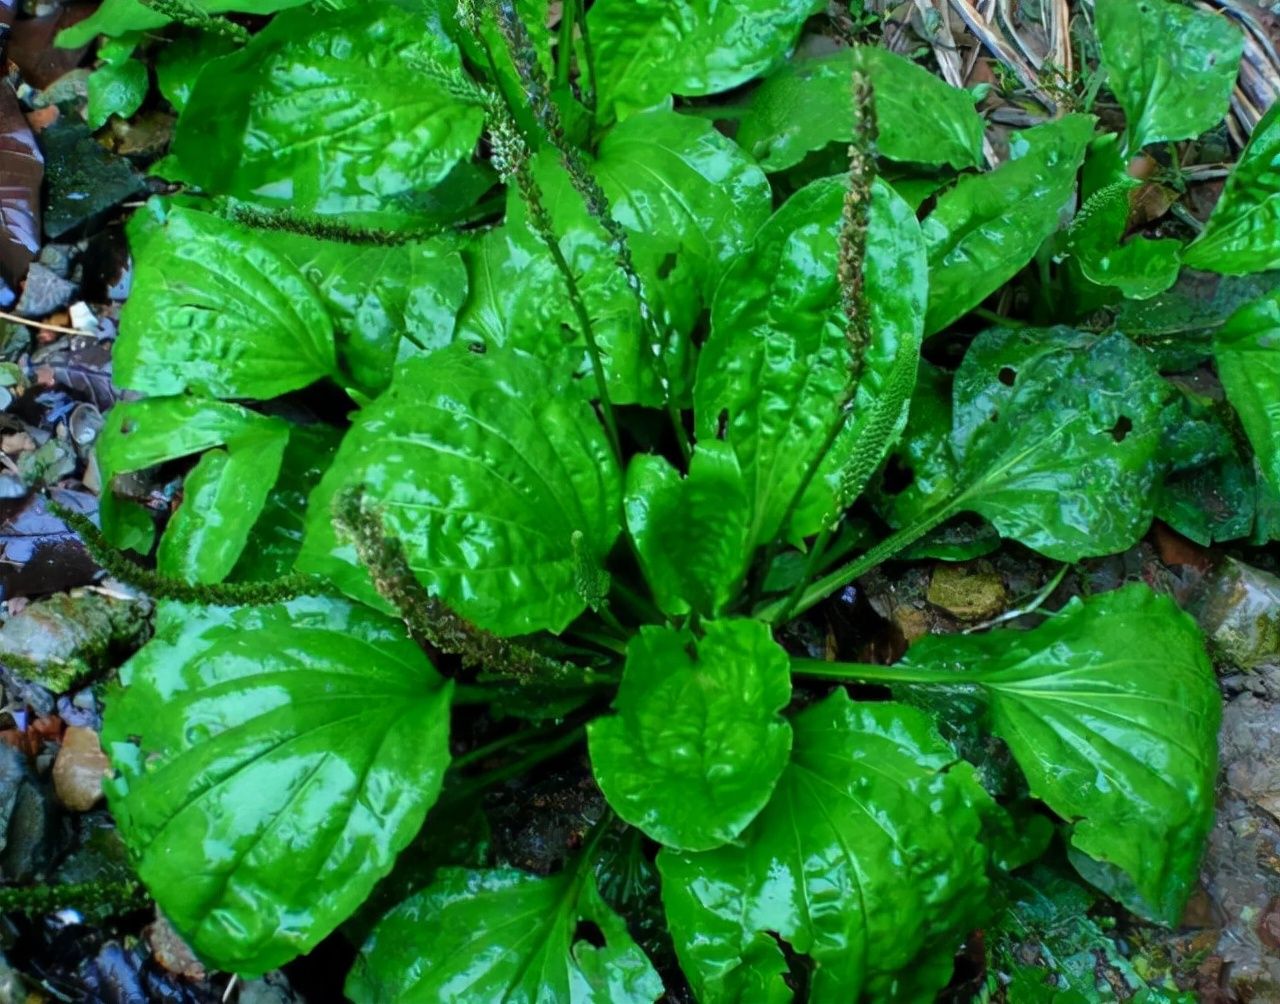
[[503, 937], [484, 465], [808, 104], [1171, 66], [222, 497], [387, 302], [355, 113], [1111, 709], [118, 17], [140, 434], [696, 745], [647, 50], [117, 89], [215, 312], [777, 362], [1138, 267], [690, 533], [986, 228], [867, 862], [1058, 438], [181, 60], [224, 493], [1243, 232], [272, 762], [1247, 351], [689, 199]]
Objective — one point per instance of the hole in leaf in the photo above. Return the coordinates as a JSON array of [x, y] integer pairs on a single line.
[[898, 477], [479, 348], [722, 423], [127, 426], [1122, 428], [589, 931], [668, 265], [1007, 375], [994, 417]]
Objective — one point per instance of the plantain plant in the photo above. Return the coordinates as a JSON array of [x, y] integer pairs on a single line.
[[613, 379]]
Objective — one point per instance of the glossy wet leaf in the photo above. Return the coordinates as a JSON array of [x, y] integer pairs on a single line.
[[484, 465], [690, 200], [808, 104], [504, 936], [1242, 234], [690, 532], [1139, 267], [867, 862], [1247, 352], [1171, 66], [273, 760], [117, 89], [180, 62], [118, 17], [1059, 439], [215, 312], [647, 50], [222, 497], [387, 302], [776, 363], [355, 113], [986, 228], [696, 743], [1111, 709]]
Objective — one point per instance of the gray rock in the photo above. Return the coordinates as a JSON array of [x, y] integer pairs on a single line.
[[32, 834], [44, 292], [1238, 608]]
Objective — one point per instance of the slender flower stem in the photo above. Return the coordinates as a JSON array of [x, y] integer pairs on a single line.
[[564, 46], [863, 672], [842, 576], [854, 224], [523, 55], [517, 767]]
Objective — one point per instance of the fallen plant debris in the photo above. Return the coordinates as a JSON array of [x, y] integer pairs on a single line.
[[641, 500]]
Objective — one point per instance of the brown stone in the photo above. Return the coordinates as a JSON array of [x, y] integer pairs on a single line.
[[79, 769]]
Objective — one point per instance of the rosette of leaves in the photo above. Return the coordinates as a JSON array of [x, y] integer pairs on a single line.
[[591, 457]]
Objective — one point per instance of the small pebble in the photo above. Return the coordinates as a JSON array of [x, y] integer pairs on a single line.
[[79, 769]]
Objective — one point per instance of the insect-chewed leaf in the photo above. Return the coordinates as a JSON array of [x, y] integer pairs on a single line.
[[1111, 709], [1058, 436], [689, 200], [867, 862], [777, 364], [484, 466], [273, 761], [697, 742]]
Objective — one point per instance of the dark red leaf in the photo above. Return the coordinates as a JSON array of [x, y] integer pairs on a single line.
[[21, 171]]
